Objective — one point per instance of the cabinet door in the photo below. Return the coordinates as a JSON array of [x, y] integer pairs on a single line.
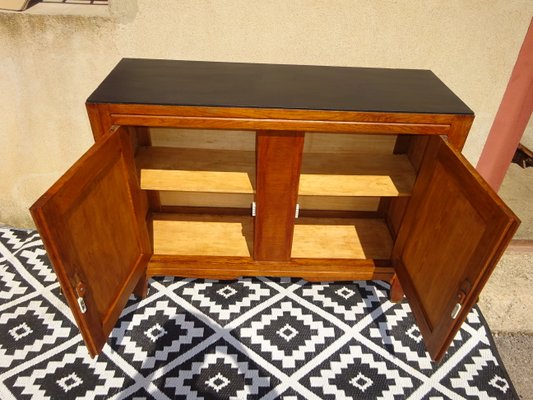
[[453, 234], [92, 224]]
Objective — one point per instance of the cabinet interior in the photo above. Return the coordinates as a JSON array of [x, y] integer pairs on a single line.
[[203, 184]]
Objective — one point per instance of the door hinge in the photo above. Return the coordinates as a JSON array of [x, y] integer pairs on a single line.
[[297, 212], [81, 289], [254, 209]]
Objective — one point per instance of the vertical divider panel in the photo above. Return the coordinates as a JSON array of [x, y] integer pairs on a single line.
[[278, 164]]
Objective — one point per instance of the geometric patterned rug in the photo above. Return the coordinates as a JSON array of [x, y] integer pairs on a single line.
[[252, 338]]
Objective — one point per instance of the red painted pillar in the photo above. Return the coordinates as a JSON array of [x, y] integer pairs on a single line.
[[511, 119]]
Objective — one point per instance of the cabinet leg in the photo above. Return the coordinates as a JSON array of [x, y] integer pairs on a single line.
[[396, 290], [141, 289]]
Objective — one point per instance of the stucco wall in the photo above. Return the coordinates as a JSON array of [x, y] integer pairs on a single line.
[[49, 64]]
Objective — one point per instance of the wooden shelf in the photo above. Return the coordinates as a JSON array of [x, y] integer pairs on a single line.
[[356, 175], [219, 235], [233, 171], [202, 235], [341, 238], [196, 170]]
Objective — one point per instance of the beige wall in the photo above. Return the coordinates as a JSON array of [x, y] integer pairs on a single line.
[[49, 64]]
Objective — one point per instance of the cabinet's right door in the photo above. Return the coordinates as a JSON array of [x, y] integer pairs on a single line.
[[453, 234]]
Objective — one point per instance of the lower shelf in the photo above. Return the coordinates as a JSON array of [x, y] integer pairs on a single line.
[[223, 235], [202, 235], [366, 238], [221, 247]]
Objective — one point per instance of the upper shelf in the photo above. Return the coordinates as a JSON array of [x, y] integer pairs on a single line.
[[233, 171], [196, 170], [276, 86], [356, 175]]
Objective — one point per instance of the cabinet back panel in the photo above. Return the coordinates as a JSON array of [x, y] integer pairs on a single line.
[[245, 140], [203, 139], [348, 143], [200, 199], [338, 203]]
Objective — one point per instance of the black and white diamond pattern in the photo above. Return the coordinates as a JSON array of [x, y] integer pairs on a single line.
[[70, 374], [31, 328], [11, 285], [225, 300], [38, 264], [220, 372], [480, 377], [355, 372], [157, 333], [15, 239], [287, 333], [251, 338], [347, 301]]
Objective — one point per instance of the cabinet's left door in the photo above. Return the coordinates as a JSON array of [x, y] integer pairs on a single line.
[[92, 224]]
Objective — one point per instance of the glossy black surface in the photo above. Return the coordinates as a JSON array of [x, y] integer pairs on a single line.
[[217, 84]]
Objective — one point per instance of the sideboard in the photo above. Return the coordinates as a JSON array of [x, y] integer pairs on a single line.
[[221, 170]]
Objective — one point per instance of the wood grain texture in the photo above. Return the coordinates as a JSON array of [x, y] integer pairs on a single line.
[[91, 223], [203, 199], [315, 142], [230, 171], [414, 147], [459, 131], [452, 230], [202, 235], [341, 238], [356, 175], [325, 123], [203, 139], [348, 143], [385, 123], [356, 185], [100, 119], [140, 137], [275, 113], [279, 157], [233, 267], [196, 170], [338, 203]]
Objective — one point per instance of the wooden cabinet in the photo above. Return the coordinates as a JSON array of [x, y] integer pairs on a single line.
[[221, 170]]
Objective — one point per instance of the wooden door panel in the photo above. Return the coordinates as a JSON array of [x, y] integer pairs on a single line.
[[452, 236], [89, 222]]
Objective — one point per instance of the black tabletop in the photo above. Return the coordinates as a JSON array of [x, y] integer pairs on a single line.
[[221, 84]]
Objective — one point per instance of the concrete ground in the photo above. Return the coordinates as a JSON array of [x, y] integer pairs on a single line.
[[516, 350], [507, 300]]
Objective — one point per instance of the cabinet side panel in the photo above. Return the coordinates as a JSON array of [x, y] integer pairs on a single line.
[[414, 147]]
